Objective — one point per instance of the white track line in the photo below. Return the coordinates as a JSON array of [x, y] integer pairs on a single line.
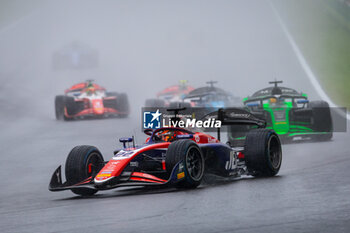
[[303, 62]]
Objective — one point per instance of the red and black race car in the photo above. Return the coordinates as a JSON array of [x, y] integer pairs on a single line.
[[88, 99], [176, 157]]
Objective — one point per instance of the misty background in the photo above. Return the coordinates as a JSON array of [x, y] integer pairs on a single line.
[[141, 47]]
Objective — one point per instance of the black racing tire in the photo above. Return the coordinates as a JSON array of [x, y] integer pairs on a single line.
[[263, 152], [70, 106], [187, 151], [82, 162], [155, 103], [322, 120], [123, 105], [59, 107]]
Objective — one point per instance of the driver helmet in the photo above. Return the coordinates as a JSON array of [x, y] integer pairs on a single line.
[[90, 90], [273, 100], [167, 135], [183, 84]]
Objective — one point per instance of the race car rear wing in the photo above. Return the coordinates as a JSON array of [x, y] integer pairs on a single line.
[[285, 96], [235, 116]]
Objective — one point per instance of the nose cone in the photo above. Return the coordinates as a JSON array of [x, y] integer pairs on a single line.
[[112, 169], [97, 105], [107, 172]]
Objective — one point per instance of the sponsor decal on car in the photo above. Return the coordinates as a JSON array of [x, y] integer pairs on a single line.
[[180, 175], [124, 154], [197, 138], [239, 115], [231, 164], [104, 175], [212, 140], [134, 164], [181, 167]]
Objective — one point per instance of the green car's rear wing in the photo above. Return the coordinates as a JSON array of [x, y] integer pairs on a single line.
[[261, 99]]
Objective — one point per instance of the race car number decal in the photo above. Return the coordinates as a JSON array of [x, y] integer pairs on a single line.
[[124, 154]]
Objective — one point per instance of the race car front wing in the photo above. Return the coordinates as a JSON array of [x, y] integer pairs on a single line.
[[126, 178]]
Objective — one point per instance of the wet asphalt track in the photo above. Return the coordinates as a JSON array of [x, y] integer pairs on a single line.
[[310, 194]]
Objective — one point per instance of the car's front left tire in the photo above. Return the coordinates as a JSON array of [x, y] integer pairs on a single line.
[[187, 151]]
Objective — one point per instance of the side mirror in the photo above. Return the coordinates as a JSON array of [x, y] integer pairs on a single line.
[[125, 140]]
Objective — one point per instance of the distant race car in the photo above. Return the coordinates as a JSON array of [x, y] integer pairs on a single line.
[[88, 99], [170, 96], [172, 157], [211, 97], [289, 113]]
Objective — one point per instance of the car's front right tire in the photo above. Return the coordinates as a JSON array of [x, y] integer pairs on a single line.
[[83, 162], [59, 107]]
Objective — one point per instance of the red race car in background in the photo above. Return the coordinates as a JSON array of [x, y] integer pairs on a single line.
[[88, 99], [171, 96]]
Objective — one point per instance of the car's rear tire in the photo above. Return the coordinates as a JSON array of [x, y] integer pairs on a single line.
[[83, 162], [123, 105], [322, 120], [59, 107], [193, 160], [263, 152]]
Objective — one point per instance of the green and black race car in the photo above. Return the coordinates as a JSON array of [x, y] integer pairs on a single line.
[[289, 113]]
